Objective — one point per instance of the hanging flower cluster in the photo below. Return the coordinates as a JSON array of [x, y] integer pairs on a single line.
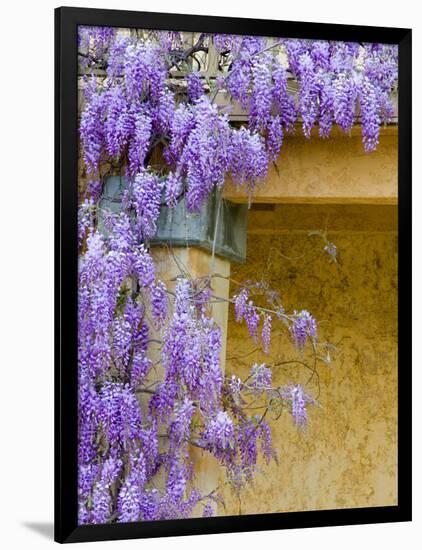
[[337, 82], [151, 385]]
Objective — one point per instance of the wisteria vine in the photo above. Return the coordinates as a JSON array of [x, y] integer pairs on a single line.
[[151, 384]]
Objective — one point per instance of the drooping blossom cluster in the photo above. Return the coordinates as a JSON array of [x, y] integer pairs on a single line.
[[151, 384], [303, 327], [246, 310], [266, 334], [146, 195], [260, 377], [138, 106], [337, 82], [298, 400]]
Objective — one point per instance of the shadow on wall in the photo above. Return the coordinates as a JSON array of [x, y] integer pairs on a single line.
[[44, 529]]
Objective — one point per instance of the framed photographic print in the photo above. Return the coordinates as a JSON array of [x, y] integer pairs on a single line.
[[232, 275]]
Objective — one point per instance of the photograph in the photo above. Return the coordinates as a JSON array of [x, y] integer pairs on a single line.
[[237, 279]]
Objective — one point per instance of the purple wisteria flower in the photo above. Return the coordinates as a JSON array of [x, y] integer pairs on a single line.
[[195, 86], [179, 431], [225, 42], [303, 326], [205, 159], [174, 187], [149, 355], [92, 130], [252, 319], [260, 378], [146, 192], [240, 303], [159, 302], [370, 115], [101, 499], [266, 442], [345, 93], [143, 266], [140, 140], [260, 107], [141, 365], [95, 41], [182, 124], [119, 122], [308, 92], [208, 511], [85, 219], [248, 157], [324, 85], [130, 494], [298, 400], [266, 334], [235, 386], [219, 434], [275, 137]]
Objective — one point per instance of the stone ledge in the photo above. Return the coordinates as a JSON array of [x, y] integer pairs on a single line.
[[334, 171]]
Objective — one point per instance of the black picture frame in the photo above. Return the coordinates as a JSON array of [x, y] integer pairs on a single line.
[[66, 156]]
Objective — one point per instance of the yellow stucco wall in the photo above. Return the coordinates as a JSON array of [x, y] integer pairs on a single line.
[[347, 456]]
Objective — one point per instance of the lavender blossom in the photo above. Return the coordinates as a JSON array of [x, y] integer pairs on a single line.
[[174, 186], [266, 442], [344, 102], [260, 378], [208, 511], [303, 325], [119, 123], [298, 399], [225, 42], [141, 365], [146, 193], [206, 156], [235, 386], [182, 124], [275, 137], [92, 131], [159, 302], [266, 334], [195, 87], [164, 111], [143, 266], [129, 499], [101, 500], [307, 93], [219, 434], [179, 431], [252, 320], [370, 116], [261, 92], [249, 159], [145, 392], [85, 219], [240, 303], [140, 141]]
